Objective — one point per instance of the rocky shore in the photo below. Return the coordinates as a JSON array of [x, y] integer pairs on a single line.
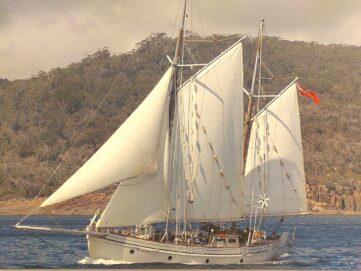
[[85, 205], [337, 200]]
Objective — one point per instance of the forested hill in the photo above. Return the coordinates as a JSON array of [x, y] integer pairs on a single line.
[[41, 117]]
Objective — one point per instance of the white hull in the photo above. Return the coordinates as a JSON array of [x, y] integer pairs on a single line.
[[132, 250]]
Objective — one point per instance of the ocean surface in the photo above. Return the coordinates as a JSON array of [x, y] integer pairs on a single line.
[[322, 242]]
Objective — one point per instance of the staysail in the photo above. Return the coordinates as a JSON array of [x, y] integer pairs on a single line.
[[145, 199], [129, 153], [274, 167], [208, 157]]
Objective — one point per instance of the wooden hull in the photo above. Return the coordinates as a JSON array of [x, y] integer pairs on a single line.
[[132, 250]]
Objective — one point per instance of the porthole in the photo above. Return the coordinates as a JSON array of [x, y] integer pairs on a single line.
[[241, 261], [207, 260], [131, 251], [170, 258]]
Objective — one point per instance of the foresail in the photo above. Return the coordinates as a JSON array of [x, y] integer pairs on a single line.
[[130, 152], [208, 144], [145, 199], [274, 167]]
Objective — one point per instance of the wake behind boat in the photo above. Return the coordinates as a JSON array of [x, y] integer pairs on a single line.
[[191, 165]]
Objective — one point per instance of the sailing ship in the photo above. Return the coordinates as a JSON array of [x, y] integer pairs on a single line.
[[191, 166]]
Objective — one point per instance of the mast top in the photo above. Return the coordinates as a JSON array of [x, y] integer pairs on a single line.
[[178, 50]]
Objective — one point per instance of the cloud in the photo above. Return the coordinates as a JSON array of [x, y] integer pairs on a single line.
[[41, 34]]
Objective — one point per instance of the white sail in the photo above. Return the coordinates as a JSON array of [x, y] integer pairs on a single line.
[[274, 167], [130, 152], [208, 153], [145, 199]]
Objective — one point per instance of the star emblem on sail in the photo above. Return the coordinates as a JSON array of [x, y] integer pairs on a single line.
[[263, 201]]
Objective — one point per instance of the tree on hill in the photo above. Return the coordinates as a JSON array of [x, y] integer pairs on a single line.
[[41, 117]]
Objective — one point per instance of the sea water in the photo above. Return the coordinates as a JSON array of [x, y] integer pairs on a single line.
[[322, 242]]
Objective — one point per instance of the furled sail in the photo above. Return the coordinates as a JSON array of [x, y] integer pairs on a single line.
[[274, 167], [129, 153], [208, 157]]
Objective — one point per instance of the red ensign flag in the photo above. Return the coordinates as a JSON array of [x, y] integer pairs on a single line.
[[309, 93]]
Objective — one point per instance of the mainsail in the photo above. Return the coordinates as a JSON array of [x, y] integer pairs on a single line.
[[208, 157], [129, 153], [211, 99], [274, 167]]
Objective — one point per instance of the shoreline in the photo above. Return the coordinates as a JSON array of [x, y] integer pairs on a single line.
[[87, 205]]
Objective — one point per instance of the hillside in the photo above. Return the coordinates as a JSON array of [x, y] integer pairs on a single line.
[[41, 117]]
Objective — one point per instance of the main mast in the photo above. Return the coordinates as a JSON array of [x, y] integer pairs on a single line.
[[176, 71], [247, 119]]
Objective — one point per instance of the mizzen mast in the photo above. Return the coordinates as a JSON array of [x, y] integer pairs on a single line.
[[248, 116]]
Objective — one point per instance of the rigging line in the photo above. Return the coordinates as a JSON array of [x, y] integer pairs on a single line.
[[278, 224], [53, 220], [260, 221], [76, 139], [186, 204], [265, 155], [188, 165], [176, 17], [268, 70], [188, 152], [59, 247], [260, 70], [180, 202], [262, 178], [133, 62], [191, 28], [182, 58], [174, 178], [254, 224], [200, 18], [190, 53]]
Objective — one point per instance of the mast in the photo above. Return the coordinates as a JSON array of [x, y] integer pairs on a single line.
[[175, 82], [176, 70], [247, 124], [248, 116]]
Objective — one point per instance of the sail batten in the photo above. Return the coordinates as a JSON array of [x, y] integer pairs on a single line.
[[130, 152]]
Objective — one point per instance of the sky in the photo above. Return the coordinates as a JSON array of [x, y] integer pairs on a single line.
[[44, 34]]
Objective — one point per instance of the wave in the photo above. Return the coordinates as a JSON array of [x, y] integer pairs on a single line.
[[88, 260]]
